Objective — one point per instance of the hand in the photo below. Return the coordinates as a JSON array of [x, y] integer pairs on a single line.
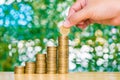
[[85, 12]]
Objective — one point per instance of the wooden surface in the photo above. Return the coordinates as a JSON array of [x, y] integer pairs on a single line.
[[70, 76]]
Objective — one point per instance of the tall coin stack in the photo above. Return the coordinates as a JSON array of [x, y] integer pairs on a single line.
[[19, 70], [41, 63], [52, 60], [63, 50], [30, 68], [63, 55]]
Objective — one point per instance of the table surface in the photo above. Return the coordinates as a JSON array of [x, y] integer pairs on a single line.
[[70, 76]]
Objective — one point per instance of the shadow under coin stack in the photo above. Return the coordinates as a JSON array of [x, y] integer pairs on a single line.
[[19, 70], [51, 60], [63, 51], [30, 68], [40, 63]]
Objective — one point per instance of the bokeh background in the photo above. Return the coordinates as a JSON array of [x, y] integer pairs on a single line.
[[27, 27]]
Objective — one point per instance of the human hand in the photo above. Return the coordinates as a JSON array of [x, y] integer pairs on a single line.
[[85, 12]]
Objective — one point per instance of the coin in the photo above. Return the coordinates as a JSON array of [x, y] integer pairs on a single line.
[[63, 54], [51, 48], [19, 69], [30, 68], [64, 31], [51, 60], [40, 57], [40, 63]]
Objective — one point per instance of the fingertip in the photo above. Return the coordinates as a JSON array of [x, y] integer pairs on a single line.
[[66, 24]]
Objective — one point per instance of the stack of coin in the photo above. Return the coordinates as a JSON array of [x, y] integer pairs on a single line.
[[52, 60], [30, 68], [63, 54], [19, 70], [41, 63]]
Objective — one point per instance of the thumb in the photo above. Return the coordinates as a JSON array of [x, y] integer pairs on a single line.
[[77, 17]]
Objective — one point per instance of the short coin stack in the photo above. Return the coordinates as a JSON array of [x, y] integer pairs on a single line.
[[41, 63], [30, 68], [19, 70], [52, 60]]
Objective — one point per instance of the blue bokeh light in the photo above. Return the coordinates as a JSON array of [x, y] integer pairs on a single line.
[[10, 16]]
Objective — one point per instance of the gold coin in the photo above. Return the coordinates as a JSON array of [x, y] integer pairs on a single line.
[[30, 68], [64, 31], [63, 41], [51, 66], [60, 67], [63, 60], [19, 69], [29, 71], [51, 48], [62, 46], [52, 69], [40, 70], [63, 38], [65, 53], [40, 66], [50, 52], [51, 55], [63, 56], [41, 55], [30, 64], [63, 50], [41, 61], [51, 59]]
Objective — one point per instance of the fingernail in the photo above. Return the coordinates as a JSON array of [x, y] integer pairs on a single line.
[[66, 23]]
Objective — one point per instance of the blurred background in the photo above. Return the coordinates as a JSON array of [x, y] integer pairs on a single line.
[[27, 27]]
